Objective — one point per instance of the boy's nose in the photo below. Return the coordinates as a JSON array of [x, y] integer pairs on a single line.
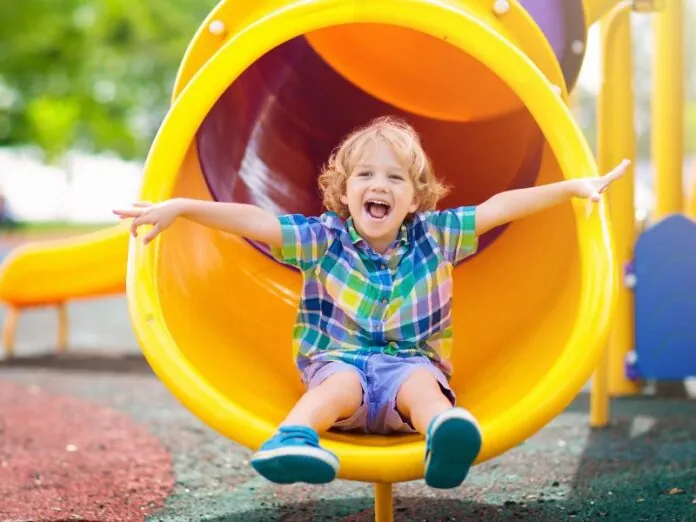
[[379, 183]]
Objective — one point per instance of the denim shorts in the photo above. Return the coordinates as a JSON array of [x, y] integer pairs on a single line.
[[381, 376]]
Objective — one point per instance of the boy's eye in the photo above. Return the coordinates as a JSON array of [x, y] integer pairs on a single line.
[[396, 177], [364, 173]]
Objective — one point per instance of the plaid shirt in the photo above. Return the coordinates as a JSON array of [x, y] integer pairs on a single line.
[[356, 302]]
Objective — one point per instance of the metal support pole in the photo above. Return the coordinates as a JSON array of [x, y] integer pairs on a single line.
[[62, 327], [668, 108], [616, 141], [9, 330], [384, 503]]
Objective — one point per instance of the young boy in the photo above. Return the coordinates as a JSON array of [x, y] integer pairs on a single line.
[[374, 326]]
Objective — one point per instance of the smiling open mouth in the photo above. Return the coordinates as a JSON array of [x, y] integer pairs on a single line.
[[377, 209]]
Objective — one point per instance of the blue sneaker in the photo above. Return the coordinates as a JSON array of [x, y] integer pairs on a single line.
[[453, 442], [293, 455]]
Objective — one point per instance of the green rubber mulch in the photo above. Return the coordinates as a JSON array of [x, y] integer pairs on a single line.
[[643, 467]]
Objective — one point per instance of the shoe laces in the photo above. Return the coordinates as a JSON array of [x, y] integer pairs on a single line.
[[299, 434]]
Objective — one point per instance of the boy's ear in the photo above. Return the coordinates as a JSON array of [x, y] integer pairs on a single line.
[[414, 205], [344, 199]]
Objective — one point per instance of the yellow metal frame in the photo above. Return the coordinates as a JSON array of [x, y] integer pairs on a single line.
[[668, 108], [596, 9], [616, 141], [384, 502]]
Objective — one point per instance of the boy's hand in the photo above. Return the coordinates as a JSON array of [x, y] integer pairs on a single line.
[[592, 188], [159, 215]]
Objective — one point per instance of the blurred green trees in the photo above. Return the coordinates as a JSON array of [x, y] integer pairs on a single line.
[[95, 74]]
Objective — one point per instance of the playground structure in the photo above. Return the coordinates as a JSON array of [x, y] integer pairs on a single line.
[[652, 337], [266, 89]]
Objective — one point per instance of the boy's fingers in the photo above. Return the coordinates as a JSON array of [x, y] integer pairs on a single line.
[[152, 234], [138, 221], [127, 213], [625, 163], [134, 212], [618, 171]]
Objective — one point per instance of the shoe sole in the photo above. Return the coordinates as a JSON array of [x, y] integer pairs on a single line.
[[296, 464], [454, 445]]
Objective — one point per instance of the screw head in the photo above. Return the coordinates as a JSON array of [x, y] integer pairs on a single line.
[[500, 7], [578, 47], [630, 280], [216, 27]]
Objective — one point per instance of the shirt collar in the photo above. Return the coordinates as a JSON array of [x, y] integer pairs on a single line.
[[401, 237]]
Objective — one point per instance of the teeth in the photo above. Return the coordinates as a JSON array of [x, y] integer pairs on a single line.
[[378, 202]]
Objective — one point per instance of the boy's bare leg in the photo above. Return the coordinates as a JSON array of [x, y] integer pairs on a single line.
[[293, 454], [420, 399], [453, 437], [337, 397]]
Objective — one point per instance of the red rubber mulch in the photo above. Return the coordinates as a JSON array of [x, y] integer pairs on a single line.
[[65, 459]]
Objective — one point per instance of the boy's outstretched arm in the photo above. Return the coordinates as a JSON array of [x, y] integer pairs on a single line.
[[241, 219], [511, 205]]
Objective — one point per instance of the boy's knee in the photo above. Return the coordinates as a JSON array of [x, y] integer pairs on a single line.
[[422, 380], [343, 388], [342, 382], [420, 386]]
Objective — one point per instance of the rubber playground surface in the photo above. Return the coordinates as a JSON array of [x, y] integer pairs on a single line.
[[93, 435]]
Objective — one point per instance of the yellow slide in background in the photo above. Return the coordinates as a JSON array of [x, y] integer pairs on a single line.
[[89, 265], [50, 273], [265, 91]]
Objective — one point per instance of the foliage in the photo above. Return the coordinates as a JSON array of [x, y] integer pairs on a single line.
[[92, 74]]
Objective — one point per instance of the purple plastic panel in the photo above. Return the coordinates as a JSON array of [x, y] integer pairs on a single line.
[[563, 23], [549, 16]]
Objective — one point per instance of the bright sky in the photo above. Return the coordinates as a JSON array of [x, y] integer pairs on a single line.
[[589, 74]]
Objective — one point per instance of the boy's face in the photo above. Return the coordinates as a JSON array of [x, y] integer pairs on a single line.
[[379, 195]]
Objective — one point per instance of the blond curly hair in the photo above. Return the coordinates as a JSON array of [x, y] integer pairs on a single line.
[[404, 143]]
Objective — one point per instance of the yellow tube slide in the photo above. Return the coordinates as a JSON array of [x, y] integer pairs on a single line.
[[265, 91], [89, 265]]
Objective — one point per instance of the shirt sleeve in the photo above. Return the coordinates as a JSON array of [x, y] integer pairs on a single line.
[[304, 241], [454, 230]]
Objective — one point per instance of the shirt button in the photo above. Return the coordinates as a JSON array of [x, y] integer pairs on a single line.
[[378, 327], [385, 301], [384, 267]]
